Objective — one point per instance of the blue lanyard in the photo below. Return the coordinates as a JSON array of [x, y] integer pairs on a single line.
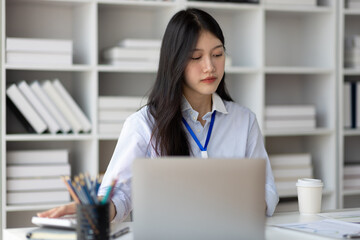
[[203, 149]]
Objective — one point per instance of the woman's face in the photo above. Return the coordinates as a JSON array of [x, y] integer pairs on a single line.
[[205, 68]]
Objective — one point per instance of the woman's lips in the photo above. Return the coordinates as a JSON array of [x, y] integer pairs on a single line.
[[209, 80]]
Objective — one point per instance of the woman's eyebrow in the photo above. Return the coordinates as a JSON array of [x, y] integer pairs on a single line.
[[198, 49]]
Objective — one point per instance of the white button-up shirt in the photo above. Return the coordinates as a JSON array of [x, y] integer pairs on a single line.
[[235, 134]]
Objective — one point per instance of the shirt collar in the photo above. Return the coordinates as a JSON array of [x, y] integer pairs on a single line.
[[218, 104]]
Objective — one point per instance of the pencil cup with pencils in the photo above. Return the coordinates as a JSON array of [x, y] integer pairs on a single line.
[[93, 221]]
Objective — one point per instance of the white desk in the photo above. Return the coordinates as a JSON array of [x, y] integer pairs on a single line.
[[272, 233]]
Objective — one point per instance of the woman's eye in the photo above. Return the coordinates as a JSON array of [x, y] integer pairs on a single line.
[[195, 58], [218, 55]]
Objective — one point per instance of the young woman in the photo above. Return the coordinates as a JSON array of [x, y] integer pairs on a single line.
[[189, 112]]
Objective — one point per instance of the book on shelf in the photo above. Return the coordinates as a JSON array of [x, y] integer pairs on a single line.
[[290, 123], [19, 118], [37, 197], [51, 234], [311, 3], [295, 159], [290, 111], [28, 171], [131, 54], [114, 115], [24, 107], [347, 105], [35, 184], [53, 126], [353, 4], [351, 105], [295, 172], [33, 58], [140, 43], [352, 51], [134, 64], [352, 170], [114, 128], [351, 182], [39, 45], [60, 103], [85, 122], [50, 106], [121, 102], [354, 104], [36, 157]]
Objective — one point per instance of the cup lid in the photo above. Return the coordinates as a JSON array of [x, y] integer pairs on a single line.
[[309, 182]]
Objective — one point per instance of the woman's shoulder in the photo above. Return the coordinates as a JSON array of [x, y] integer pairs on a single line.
[[238, 109], [140, 116]]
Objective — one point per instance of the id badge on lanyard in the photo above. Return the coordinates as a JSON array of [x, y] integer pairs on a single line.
[[204, 153]]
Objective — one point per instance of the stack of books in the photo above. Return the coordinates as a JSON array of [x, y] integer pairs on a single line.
[[46, 107], [113, 111], [288, 168], [36, 51], [134, 53], [352, 52], [307, 3], [353, 3], [290, 117], [352, 176], [33, 176]]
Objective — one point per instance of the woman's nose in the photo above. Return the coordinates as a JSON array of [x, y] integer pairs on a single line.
[[208, 65]]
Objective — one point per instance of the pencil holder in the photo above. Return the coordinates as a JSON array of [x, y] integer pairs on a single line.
[[93, 222]]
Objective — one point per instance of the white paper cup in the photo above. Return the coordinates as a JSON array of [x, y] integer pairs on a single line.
[[309, 195]]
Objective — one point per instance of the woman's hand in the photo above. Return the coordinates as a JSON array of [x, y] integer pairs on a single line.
[[59, 211], [71, 209]]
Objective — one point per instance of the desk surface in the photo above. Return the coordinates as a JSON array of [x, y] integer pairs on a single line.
[[272, 233]]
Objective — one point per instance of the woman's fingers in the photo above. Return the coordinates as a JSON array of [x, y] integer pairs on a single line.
[[59, 211]]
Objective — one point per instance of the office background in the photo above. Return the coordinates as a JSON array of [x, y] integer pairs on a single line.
[[280, 56]]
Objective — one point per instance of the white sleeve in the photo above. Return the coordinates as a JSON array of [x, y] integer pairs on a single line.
[[255, 149], [133, 143]]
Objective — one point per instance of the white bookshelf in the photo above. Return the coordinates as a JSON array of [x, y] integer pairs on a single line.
[[300, 69], [349, 139], [272, 48]]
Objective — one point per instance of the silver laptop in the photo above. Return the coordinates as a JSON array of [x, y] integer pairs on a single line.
[[194, 198]]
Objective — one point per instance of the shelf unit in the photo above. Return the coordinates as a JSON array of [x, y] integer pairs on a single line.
[[349, 139], [271, 47]]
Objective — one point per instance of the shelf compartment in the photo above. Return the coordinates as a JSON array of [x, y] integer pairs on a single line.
[[55, 20], [323, 160], [313, 89], [80, 85], [148, 22], [292, 39], [242, 41]]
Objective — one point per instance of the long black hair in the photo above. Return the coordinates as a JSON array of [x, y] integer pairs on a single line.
[[180, 38]]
